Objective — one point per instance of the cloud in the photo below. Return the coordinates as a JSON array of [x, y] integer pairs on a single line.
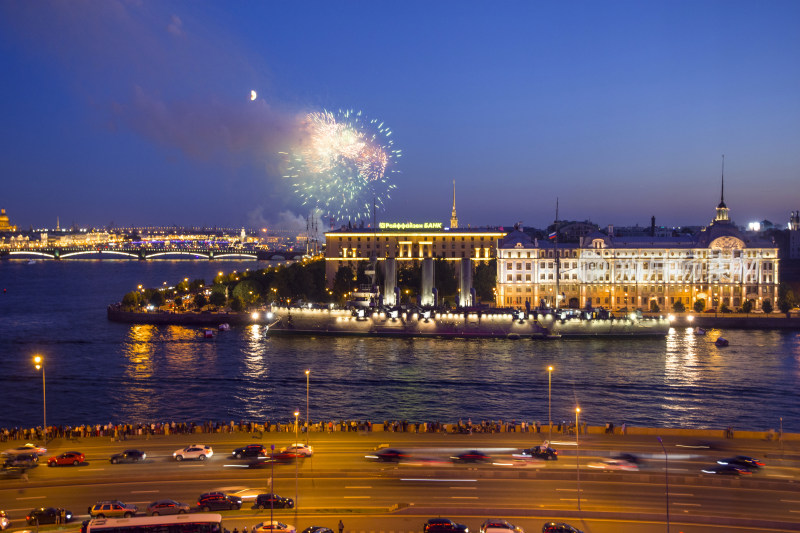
[[175, 27]]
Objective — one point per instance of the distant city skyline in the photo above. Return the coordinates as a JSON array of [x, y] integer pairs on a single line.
[[178, 113]]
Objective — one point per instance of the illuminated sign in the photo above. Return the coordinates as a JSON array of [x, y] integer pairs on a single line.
[[409, 225]]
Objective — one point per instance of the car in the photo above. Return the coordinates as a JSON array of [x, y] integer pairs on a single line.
[[22, 460], [251, 450], [218, 501], [66, 458], [727, 470], [128, 456], [472, 456], [742, 460], [389, 455], [614, 464], [273, 527], [48, 515], [4, 521], [444, 525], [194, 451], [540, 452], [272, 459], [167, 507], [317, 529], [273, 501], [112, 509], [559, 527], [299, 449], [26, 448], [498, 525]]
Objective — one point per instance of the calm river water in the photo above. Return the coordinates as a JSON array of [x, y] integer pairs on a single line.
[[99, 372]]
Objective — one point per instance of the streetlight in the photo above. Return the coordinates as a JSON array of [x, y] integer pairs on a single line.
[[38, 361], [296, 414], [272, 484], [308, 373], [578, 455], [666, 479], [549, 404]]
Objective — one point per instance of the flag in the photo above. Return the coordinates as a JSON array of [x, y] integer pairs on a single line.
[[552, 235]]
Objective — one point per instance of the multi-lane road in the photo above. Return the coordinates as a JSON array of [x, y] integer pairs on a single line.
[[338, 482]]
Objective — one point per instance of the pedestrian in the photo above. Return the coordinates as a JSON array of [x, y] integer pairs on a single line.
[[341, 526], [624, 428]]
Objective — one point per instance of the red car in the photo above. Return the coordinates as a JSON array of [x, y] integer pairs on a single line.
[[67, 458]]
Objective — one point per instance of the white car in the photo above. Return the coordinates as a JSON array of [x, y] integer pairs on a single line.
[[26, 448], [614, 464], [200, 452], [498, 525], [299, 449], [273, 527]]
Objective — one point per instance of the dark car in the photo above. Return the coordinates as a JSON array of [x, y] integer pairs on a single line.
[[128, 456], [472, 456], [218, 501], [540, 452], [22, 460], [317, 529], [559, 527], [48, 515], [742, 460], [66, 458], [389, 455], [444, 525], [727, 470], [167, 507], [273, 501], [251, 450]]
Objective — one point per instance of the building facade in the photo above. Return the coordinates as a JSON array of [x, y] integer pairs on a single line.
[[720, 265]]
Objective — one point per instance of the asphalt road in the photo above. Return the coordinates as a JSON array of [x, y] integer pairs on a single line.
[[338, 482]]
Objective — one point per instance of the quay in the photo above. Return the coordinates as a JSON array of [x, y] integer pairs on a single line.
[[144, 253]]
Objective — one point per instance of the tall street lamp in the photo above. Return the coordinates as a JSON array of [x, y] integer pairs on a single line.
[[666, 479], [271, 483], [296, 414], [578, 455], [38, 361], [308, 373], [549, 403]]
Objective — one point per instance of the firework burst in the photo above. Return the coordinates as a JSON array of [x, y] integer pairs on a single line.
[[345, 164]]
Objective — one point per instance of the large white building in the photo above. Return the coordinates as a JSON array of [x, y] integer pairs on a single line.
[[720, 265]]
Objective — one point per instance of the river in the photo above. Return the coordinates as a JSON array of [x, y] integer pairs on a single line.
[[100, 372]]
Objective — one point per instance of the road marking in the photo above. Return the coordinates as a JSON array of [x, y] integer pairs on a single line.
[[359, 487], [92, 469], [439, 480], [567, 490], [779, 475], [188, 466], [687, 504], [463, 488], [356, 497], [464, 497], [573, 499], [793, 511], [32, 498], [790, 501], [681, 494], [143, 491]]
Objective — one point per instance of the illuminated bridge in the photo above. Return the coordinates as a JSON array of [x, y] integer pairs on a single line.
[[146, 253]]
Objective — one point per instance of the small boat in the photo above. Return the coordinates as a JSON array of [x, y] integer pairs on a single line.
[[225, 327], [208, 334], [720, 342], [699, 331]]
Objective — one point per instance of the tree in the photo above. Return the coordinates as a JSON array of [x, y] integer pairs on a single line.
[[249, 291], [182, 287], [157, 299], [178, 301], [747, 306], [132, 300], [237, 305], [725, 309], [445, 277], [200, 300], [786, 299], [197, 284], [485, 280], [699, 305], [217, 297], [654, 308], [342, 282], [766, 306], [678, 307]]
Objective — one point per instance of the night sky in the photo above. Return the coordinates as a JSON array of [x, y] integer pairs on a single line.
[[139, 112]]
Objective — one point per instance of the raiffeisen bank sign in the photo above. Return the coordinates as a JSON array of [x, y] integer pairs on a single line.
[[409, 226]]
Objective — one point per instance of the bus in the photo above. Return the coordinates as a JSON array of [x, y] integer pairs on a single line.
[[181, 523]]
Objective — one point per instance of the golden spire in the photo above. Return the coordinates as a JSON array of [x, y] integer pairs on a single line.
[[453, 216]]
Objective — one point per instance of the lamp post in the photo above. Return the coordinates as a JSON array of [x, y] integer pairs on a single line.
[[272, 484], [666, 479], [38, 361], [578, 455], [296, 414], [549, 404], [308, 374]]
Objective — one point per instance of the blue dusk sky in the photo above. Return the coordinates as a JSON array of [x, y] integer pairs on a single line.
[[138, 112]]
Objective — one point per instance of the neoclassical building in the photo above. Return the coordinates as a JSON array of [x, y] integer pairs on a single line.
[[720, 265]]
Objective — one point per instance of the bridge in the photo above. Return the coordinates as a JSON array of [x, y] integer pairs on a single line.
[[146, 253]]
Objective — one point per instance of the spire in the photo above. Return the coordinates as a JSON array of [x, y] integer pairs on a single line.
[[722, 209], [453, 216]]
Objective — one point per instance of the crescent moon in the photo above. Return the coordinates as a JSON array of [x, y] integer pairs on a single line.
[[253, 95]]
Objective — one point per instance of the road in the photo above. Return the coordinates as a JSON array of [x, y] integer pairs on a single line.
[[338, 482]]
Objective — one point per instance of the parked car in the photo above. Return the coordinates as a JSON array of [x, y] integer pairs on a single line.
[[251, 450], [128, 456], [194, 451], [273, 501], [218, 501], [26, 448], [48, 515], [299, 449], [559, 527], [112, 509], [66, 458], [167, 507], [498, 525], [444, 525], [273, 527], [472, 456], [540, 452], [4, 520], [389, 455]]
